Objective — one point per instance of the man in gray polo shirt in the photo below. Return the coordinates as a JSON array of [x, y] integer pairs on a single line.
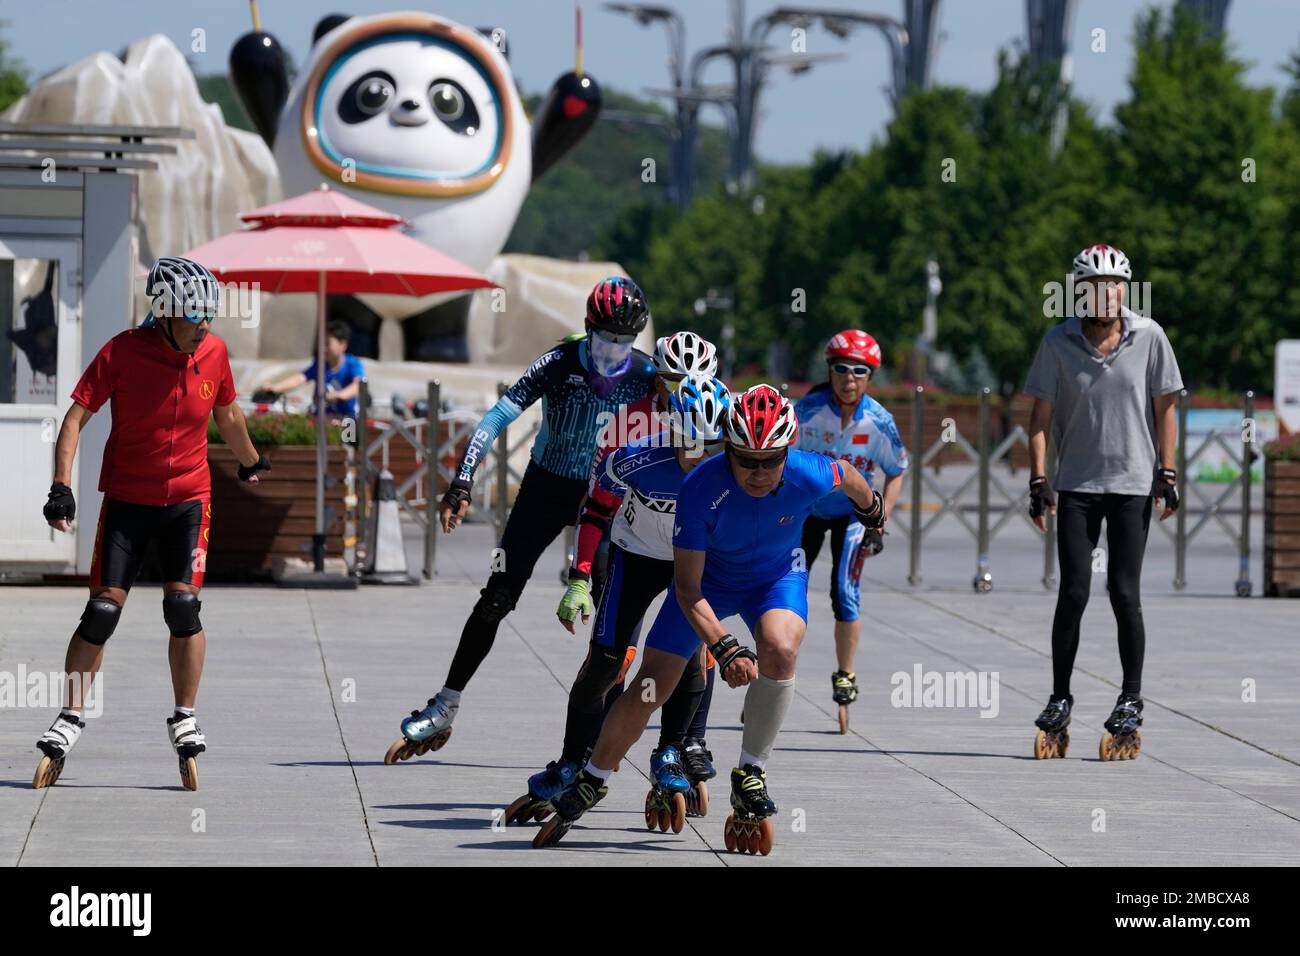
[[1105, 382]]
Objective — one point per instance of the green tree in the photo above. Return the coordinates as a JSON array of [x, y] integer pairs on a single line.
[[13, 74]]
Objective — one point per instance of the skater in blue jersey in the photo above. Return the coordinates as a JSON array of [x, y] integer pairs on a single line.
[[840, 420], [736, 550]]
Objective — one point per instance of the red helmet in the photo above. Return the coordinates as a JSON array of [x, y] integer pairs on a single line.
[[855, 345], [761, 419]]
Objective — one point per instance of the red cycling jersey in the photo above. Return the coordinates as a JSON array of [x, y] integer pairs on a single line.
[[157, 451], [635, 420]]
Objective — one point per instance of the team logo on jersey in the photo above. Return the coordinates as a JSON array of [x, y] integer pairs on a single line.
[[861, 439], [207, 389], [663, 506], [786, 519], [577, 380]]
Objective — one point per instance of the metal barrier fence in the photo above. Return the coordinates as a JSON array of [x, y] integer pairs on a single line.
[[417, 492], [995, 505], [992, 516]]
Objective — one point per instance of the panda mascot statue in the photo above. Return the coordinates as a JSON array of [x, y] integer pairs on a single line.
[[419, 116]]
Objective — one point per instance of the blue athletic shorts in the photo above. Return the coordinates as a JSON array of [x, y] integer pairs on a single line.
[[673, 634]]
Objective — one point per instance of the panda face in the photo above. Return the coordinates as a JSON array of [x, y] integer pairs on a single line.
[[415, 112]]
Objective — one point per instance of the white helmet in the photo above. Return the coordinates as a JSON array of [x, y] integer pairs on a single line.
[[698, 408], [182, 288], [1102, 260], [685, 353]]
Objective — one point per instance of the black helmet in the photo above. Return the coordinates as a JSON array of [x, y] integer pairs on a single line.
[[617, 305]]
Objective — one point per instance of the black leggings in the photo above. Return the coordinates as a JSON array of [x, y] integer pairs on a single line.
[[634, 582], [545, 505], [1078, 528]]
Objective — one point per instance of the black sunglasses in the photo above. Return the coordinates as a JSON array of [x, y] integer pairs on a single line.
[[751, 464]]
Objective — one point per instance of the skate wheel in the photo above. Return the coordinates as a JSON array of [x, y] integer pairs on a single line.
[[1109, 747], [1040, 746], [47, 772], [762, 840], [395, 752], [697, 800], [190, 773], [651, 811], [677, 816], [550, 833], [844, 718], [729, 835], [519, 811]]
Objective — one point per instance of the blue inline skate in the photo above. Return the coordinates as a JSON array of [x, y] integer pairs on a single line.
[[570, 804], [542, 786], [665, 804]]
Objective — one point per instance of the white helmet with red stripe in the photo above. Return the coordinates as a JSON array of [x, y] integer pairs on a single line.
[[761, 419], [1102, 260]]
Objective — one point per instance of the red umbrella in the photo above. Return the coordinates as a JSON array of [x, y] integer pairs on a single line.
[[325, 242]]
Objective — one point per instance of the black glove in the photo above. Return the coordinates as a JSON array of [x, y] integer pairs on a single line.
[[873, 518], [1041, 496], [248, 471], [457, 493], [874, 542], [1165, 486], [60, 506], [729, 650]]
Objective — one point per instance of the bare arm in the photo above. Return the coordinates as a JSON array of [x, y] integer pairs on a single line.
[[65, 452], [69, 436], [1040, 419], [234, 429], [347, 392], [856, 487], [1166, 409], [287, 384]]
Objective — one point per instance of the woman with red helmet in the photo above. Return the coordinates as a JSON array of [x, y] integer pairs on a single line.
[[840, 420], [735, 551]]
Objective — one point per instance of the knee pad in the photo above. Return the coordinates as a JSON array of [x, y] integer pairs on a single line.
[[99, 621], [599, 673], [495, 603], [181, 612]]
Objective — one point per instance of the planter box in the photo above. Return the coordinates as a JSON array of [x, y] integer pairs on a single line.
[[252, 525], [1282, 528]]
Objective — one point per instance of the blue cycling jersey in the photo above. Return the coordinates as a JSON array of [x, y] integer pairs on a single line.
[[869, 442], [571, 410], [749, 541]]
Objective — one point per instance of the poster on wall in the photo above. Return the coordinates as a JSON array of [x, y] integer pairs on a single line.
[[30, 350], [1286, 384]]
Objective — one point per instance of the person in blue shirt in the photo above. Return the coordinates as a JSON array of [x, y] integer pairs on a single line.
[[736, 550], [343, 375], [840, 420]]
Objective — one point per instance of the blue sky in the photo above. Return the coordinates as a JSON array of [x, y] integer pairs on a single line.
[[836, 105]]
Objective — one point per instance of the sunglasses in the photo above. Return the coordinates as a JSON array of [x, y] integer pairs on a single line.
[[613, 338], [752, 464], [858, 371]]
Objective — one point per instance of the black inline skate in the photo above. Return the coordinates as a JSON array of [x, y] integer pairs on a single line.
[[569, 804], [1053, 737], [699, 767], [844, 691], [749, 827], [1122, 741]]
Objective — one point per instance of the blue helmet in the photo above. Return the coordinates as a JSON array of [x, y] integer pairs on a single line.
[[698, 408]]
